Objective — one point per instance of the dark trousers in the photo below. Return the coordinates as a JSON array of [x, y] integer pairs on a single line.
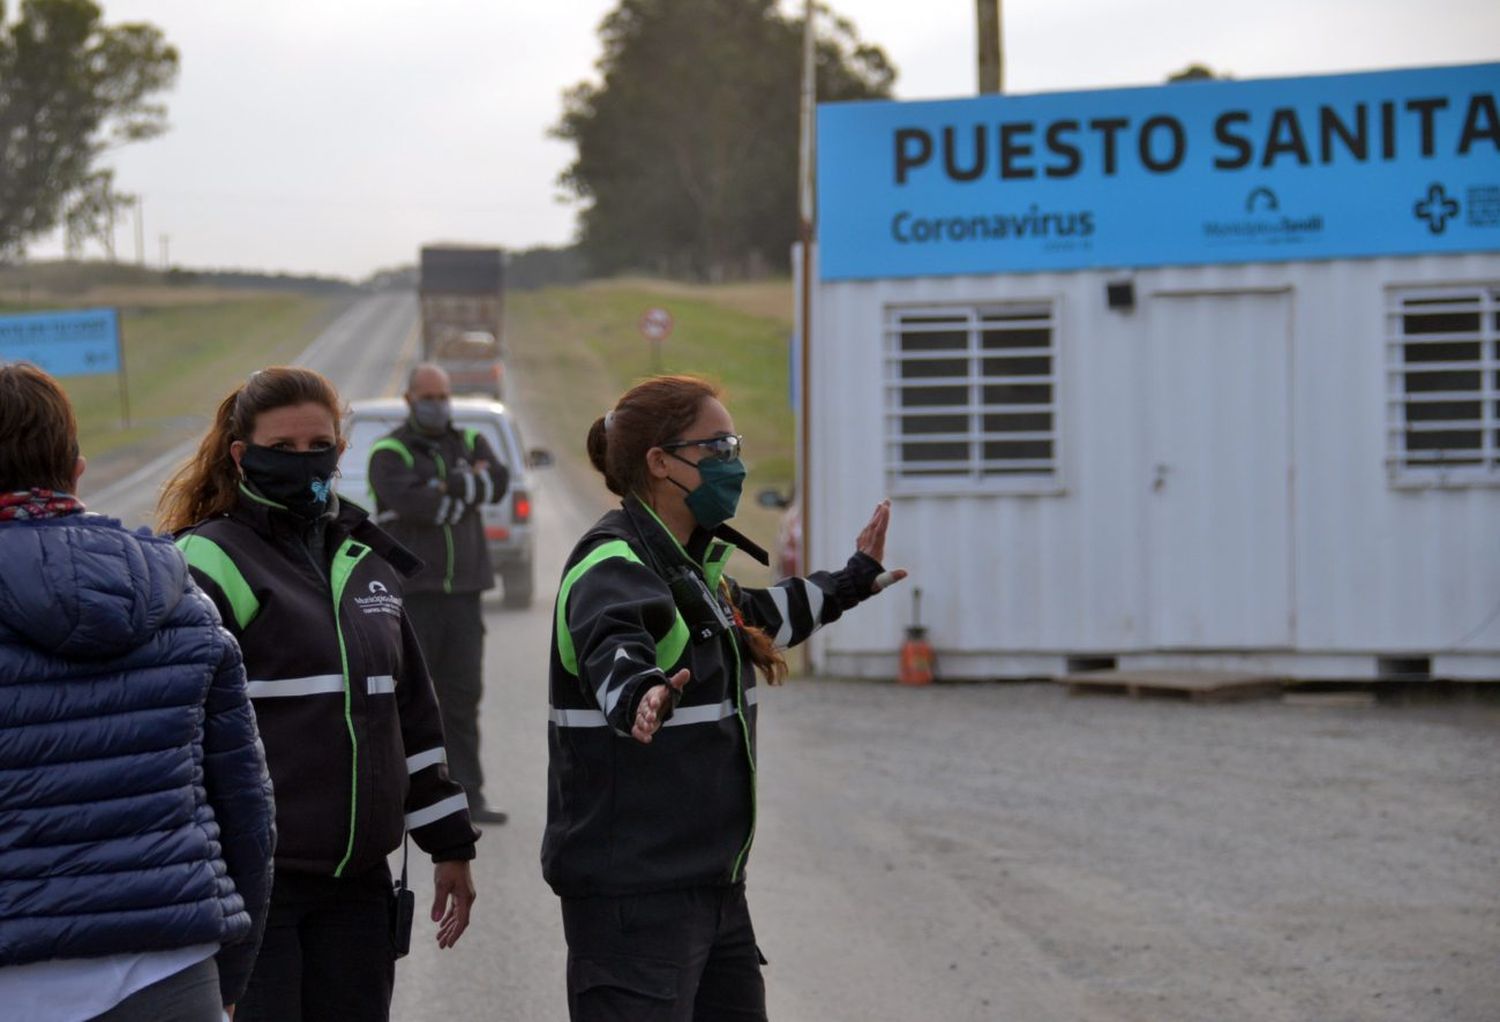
[[450, 627], [191, 995], [672, 956], [326, 954]]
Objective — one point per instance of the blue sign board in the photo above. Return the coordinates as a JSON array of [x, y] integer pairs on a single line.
[[1382, 163], [63, 343]]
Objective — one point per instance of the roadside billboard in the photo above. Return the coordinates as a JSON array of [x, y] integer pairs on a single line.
[[84, 342]]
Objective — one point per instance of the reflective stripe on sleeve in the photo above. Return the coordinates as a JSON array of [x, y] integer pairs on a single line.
[[380, 684], [444, 506], [423, 760], [783, 630], [814, 601], [602, 695], [681, 716], [447, 807], [318, 684], [487, 482], [578, 718]]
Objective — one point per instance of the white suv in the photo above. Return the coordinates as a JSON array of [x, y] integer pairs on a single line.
[[507, 525]]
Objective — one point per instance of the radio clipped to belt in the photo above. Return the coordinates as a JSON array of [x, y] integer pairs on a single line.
[[403, 908]]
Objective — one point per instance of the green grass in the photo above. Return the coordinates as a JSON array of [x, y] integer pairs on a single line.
[[576, 349], [181, 359]]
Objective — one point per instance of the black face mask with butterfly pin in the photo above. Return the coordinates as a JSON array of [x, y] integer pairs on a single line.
[[300, 481]]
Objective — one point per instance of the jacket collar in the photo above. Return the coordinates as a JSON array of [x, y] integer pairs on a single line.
[[655, 535], [700, 543], [343, 520]]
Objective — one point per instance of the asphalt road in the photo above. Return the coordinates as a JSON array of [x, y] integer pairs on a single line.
[[363, 352], [1004, 852]]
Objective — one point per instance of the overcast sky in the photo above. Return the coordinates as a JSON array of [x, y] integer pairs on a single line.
[[336, 136]]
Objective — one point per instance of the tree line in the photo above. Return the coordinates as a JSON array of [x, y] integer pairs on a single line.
[[686, 147]]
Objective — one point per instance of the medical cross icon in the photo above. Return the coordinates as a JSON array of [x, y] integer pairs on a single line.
[[1436, 209]]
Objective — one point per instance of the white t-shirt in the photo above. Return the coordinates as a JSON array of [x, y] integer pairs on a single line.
[[74, 989]]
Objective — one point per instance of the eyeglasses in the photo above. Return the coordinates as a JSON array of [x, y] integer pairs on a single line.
[[715, 448]]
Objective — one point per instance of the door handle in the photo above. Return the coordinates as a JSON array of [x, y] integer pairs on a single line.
[[1159, 479]]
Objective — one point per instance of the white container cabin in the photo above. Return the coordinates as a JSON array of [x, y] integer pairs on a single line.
[[1248, 419]]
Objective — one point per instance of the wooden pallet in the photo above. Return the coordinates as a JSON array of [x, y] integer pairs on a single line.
[[1194, 686]]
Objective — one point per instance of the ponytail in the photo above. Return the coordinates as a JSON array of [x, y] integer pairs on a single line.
[[760, 648]]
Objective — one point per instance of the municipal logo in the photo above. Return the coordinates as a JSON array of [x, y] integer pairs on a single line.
[[380, 601], [1263, 222], [1262, 199]]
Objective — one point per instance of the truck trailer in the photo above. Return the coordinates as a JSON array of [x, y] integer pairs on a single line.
[[462, 293]]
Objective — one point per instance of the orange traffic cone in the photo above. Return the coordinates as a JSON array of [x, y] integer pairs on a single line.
[[916, 651]]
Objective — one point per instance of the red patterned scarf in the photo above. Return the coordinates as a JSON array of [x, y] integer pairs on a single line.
[[36, 503]]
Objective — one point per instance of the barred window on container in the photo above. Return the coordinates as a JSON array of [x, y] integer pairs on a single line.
[[1443, 403], [971, 396]]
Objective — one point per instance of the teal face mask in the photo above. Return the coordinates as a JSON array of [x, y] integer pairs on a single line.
[[714, 501]]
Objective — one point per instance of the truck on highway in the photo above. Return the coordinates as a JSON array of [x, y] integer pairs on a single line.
[[462, 293]]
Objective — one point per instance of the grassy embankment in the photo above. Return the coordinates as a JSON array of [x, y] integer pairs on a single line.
[[184, 348], [576, 349]]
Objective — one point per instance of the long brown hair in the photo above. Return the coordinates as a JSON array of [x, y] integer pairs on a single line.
[[652, 413], [208, 485]]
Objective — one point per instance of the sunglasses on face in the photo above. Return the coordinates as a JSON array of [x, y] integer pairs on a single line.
[[715, 448]]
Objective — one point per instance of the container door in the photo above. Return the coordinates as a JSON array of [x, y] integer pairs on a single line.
[[1217, 472]]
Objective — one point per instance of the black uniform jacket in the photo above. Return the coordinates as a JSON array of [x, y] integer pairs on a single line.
[[428, 494], [623, 817], [342, 696]]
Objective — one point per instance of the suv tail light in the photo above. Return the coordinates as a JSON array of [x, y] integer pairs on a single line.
[[520, 507]]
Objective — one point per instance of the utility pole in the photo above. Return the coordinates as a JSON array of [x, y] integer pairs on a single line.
[[805, 214], [991, 60], [140, 232]]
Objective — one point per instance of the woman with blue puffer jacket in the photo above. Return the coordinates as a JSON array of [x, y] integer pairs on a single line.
[[136, 819]]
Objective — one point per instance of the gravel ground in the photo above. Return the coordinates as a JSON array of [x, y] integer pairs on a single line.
[[1010, 852]]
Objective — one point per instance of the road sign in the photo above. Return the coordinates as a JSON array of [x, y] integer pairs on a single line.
[[82, 342], [79, 343], [656, 324]]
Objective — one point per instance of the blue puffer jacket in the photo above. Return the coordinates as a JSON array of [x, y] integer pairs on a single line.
[[135, 807]]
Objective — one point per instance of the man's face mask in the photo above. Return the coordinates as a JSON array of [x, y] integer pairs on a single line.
[[715, 500], [300, 481], [432, 414]]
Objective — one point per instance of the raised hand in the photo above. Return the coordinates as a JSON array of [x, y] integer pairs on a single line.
[[871, 542]]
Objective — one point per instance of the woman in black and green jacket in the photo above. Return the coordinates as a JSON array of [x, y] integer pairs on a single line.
[[311, 589], [651, 795]]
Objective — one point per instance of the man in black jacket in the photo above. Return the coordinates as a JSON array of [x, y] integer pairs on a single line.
[[429, 481]]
